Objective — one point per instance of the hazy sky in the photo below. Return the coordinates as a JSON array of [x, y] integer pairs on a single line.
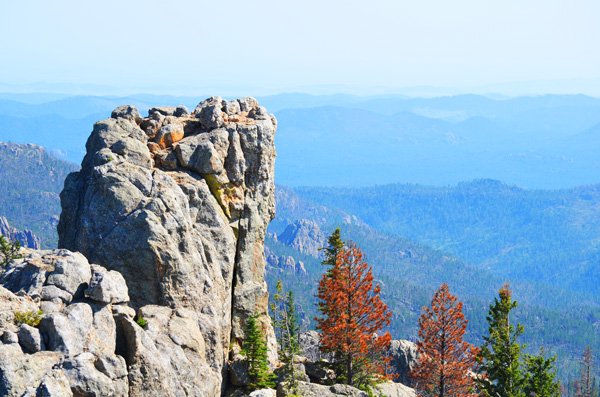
[[284, 45]]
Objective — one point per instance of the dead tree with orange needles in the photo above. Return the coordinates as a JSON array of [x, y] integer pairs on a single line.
[[353, 318], [445, 360]]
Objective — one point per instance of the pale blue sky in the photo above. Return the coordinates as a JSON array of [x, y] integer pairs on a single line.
[[369, 46]]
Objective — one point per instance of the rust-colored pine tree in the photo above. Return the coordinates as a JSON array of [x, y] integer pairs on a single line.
[[445, 360], [353, 318]]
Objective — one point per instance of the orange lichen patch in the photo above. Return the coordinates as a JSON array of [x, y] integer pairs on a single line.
[[175, 136], [168, 139], [239, 118], [153, 147]]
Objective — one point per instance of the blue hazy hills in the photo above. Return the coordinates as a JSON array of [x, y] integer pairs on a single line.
[[545, 141]]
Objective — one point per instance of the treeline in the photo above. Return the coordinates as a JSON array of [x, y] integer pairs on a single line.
[[350, 303], [409, 273]]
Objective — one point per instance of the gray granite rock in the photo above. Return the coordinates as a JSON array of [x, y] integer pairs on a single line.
[[30, 339], [19, 371], [59, 334], [112, 366], [210, 112], [180, 234], [71, 272], [263, 393], [390, 389], [10, 304], [86, 380], [238, 372], [198, 153], [164, 110], [309, 345], [127, 112], [9, 338], [300, 373], [107, 286], [159, 366], [25, 276], [54, 384], [102, 337], [50, 292], [314, 390], [317, 372], [403, 355]]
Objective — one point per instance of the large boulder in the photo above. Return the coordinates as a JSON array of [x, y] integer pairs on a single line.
[[403, 355], [178, 204], [310, 345], [314, 390]]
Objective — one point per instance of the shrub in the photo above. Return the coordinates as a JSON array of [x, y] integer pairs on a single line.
[[141, 322], [31, 318]]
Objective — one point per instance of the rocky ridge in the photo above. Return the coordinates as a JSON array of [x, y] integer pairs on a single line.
[[26, 237], [304, 236]]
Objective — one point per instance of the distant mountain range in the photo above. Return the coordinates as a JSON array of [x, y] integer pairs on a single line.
[[343, 140]]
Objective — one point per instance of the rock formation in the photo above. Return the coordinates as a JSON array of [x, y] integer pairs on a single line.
[[71, 347], [284, 263], [26, 237], [305, 236], [403, 355], [179, 204]]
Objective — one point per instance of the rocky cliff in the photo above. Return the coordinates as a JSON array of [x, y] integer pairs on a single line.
[[179, 204], [25, 237], [305, 236]]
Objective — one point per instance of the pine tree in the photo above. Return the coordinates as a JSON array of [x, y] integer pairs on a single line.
[[353, 315], [445, 360], [255, 350], [541, 376], [500, 368], [8, 250], [334, 247], [285, 322], [587, 375]]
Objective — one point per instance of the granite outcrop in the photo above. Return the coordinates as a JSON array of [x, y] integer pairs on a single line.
[[178, 203]]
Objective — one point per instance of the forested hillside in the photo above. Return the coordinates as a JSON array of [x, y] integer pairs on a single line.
[[30, 181], [550, 236], [564, 321]]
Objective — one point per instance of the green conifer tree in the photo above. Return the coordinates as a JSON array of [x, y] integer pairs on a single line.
[[334, 246], [500, 367], [285, 322], [255, 350], [541, 376], [8, 251]]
